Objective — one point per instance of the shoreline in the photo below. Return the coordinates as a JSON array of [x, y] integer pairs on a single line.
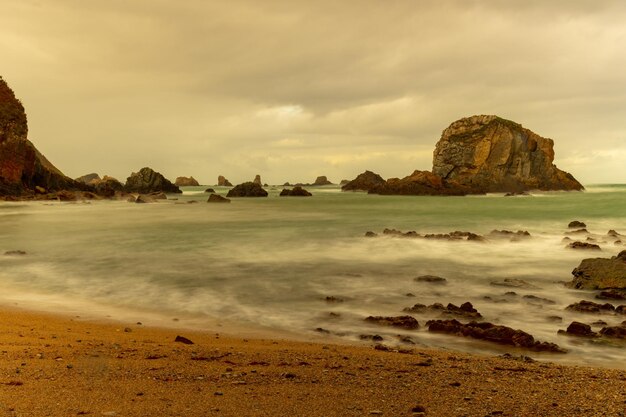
[[52, 364]]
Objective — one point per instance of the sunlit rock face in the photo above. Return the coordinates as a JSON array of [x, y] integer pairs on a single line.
[[22, 166], [491, 154]]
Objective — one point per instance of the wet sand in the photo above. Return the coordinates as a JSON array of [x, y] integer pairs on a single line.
[[63, 366]]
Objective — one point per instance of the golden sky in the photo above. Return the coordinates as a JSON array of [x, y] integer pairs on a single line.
[[296, 89]]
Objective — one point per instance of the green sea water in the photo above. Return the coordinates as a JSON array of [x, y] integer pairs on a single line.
[[270, 263]]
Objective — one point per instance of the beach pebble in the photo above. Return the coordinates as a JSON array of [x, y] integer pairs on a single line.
[[218, 393], [184, 340]]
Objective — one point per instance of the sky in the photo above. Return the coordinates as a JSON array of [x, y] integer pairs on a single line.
[[293, 89]]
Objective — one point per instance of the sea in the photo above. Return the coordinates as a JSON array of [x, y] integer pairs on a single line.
[[302, 268]]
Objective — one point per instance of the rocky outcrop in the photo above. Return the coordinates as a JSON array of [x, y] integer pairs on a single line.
[[186, 182], [223, 182], [491, 154], [322, 180], [247, 189], [364, 182], [601, 273], [89, 178], [107, 186], [296, 191], [419, 183], [466, 310], [22, 166], [404, 322], [257, 180], [492, 333], [216, 198], [147, 181]]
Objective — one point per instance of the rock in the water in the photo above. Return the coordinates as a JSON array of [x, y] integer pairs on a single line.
[[492, 333], [575, 224], [420, 183], [579, 329], [431, 279], [216, 198], [405, 322], [186, 182], [343, 182], [618, 332], [491, 154], [210, 190], [257, 180], [15, 253], [466, 310], [322, 180], [247, 189], [148, 181], [512, 283], [223, 182], [601, 273], [583, 245], [591, 307], [612, 295], [296, 191], [107, 186], [22, 166], [364, 182]]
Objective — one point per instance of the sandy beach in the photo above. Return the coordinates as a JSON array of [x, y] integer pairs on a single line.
[[62, 366]]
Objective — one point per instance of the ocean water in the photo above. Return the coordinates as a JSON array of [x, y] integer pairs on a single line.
[[269, 263]]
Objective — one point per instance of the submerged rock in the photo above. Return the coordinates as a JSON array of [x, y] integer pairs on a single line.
[[578, 329], [404, 322], [431, 279], [247, 189], [601, 273], [492, 333], [466, 310], [618, 332], [512, 283], [210, 190]]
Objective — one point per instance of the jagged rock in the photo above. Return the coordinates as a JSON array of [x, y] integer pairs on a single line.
[[322, 180], [491, 154], [296, 191], [466, 310], [186, 182], [107, 186], [405, 322], [247, 189], [364, 182], [257, 180], [575, 224], [578, 329], [148, 181], [22, 166], [601, 273], [419, 183], [591, 307], [431, 279], [492, 333], [223, 182], [583, 245], [216, 198]]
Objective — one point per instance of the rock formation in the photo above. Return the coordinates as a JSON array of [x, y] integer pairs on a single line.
[[364, 182], [223, 182], [186, 182], [257, 180], [322, 180], [89, 178], [247, 189], [491, 154], [148, 181], [601, 273], [297, 191], [216, 198], [477, 155], [22, 166]]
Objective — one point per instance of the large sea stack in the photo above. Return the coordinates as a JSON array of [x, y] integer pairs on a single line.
[[491, 154], [149, 181], [22, 166]]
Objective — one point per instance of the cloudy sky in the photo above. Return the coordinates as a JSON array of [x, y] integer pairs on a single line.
[[296, 89]]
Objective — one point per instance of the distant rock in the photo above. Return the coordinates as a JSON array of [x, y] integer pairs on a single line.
[[247, 189], [512, 283], [466, 310], [420, 183], [89, 178], [343, 182], [295, 192], [148, 181], [322, 180], [186, 182], [210, 190], [404, 322], [433, 279], [492, 333], [223, 182], [364, 182], [22, 166], [583, 245], [578, 329], [591, 307], [575, 224], [618, 332], [216, 198], [491, 154], [601, 273], [257, 180], [107, 186]]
